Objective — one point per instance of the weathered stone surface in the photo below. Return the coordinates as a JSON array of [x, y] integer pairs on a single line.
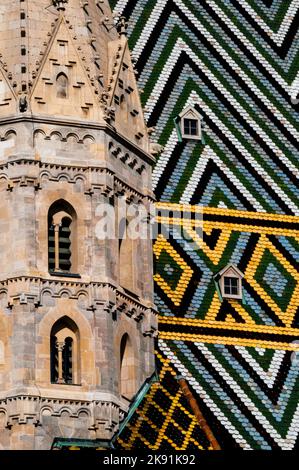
[[73, 149]]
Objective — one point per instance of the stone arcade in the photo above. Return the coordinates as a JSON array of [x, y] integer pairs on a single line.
[[77, 319]]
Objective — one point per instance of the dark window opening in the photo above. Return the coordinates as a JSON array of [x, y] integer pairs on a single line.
[[54, 360], [64, 352], [65, 245], [231, 285], [62, 86], [190, 127], [67, 361], [61, 237]]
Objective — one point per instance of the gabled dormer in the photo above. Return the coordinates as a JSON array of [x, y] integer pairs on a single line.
[[190, 123], [229, 282]]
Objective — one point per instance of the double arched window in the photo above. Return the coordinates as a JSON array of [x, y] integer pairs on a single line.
[[65, 352], [61, 237]]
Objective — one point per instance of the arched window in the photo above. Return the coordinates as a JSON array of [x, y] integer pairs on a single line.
[[61, 237], [64, 350], [127, 368], [126, 257], [190, 124], [62, 86]]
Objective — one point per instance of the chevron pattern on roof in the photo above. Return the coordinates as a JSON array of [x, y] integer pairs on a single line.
[[236, 62]]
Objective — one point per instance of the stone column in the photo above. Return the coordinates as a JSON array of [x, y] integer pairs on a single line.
[[60, 345]]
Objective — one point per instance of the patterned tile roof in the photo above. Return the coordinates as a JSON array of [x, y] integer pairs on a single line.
[[236, 62], [164, 421]]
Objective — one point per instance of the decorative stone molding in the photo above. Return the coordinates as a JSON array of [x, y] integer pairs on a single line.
[[98, 295], [102, 415], [128, 158], [69, 137], [121, 189], [43, 171]]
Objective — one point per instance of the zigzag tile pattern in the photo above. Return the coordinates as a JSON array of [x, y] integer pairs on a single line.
[[239, 356], [236, 62], [164, 420]]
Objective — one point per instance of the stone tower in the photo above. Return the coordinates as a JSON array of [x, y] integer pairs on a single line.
[[77, 319]]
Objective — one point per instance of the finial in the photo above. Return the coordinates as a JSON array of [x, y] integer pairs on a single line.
[[59, 4], [122, 25]]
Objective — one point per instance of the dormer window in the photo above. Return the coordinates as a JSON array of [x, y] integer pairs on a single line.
[[189, 124], [229, 282], [231, 285], [190, 127]]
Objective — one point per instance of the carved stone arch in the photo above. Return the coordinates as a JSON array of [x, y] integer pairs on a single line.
[[46, 411], [83, 411], [64, 177], [7, 142], [3, 298], [66, 293], [45, 175], [88, 139], [10, 134], [65, 351], [3, 419], [72, 137], [39, 134], [128, 365], [80, 182], [81, 291], [61, 196], [79, 177], [62, 85], [47, 297], [65, 409], [62, 237], [47, 291], [86, 344], [55, 135], [83, 298]]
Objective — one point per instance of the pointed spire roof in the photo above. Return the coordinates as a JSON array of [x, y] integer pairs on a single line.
[[26, 30], [82, 43]]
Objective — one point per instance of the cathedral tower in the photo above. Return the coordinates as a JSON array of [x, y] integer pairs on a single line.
[[77, 319]]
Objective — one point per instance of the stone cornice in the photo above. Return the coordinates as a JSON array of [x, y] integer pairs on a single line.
[[56, 166], [103, 412], [81, 124], [119, 299]]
